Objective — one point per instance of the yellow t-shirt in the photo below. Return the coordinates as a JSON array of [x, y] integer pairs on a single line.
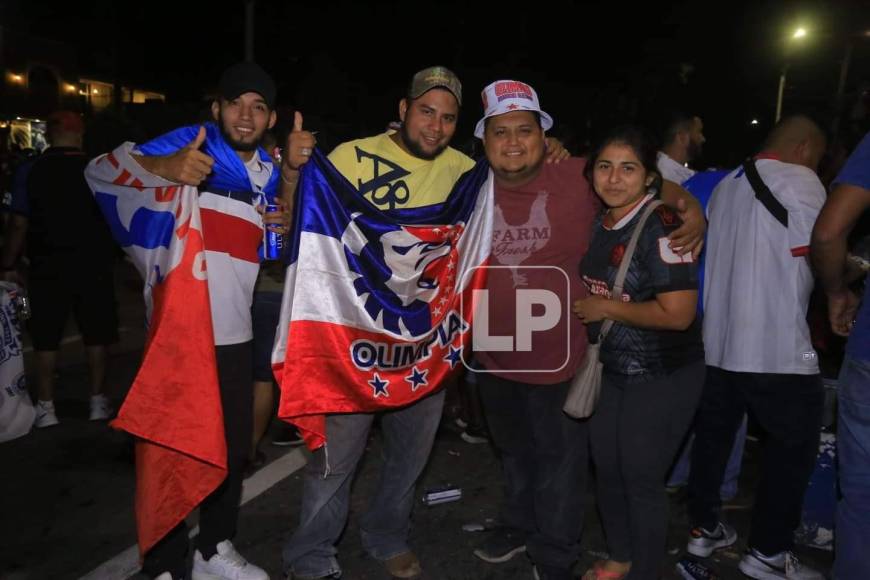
[[390, 178]]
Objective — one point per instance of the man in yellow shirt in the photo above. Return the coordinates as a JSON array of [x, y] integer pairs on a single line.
[[407, 168]]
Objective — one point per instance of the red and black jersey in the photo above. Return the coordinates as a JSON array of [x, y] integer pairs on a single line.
[[654, 269]]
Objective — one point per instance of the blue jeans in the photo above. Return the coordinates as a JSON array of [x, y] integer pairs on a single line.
[[679, 475], [408, 437], [853, 451]]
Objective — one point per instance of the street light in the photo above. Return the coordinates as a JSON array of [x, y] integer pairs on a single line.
[[798, 34]]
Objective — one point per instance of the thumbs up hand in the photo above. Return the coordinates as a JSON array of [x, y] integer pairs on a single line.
[[188, 165], [300, 144]]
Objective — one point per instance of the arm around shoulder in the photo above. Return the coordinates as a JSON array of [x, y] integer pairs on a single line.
[[688, 238]]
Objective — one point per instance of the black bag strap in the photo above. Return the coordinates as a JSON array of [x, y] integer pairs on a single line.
[[763, 193]]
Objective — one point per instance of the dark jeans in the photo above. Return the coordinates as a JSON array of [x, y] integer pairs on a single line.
[[636, 432], [219, 511], [544, 454], [265, 312], [789, 409]]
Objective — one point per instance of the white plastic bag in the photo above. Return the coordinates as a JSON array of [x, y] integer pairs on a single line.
[[16, 409]]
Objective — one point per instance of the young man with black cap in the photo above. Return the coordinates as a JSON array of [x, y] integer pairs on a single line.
[[224, 159]]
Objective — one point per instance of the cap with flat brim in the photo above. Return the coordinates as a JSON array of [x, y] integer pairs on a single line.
[[247, 77], [506, 96]]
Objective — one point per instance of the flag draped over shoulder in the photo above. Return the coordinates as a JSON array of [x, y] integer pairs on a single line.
[[173, 406], [228, 172], [377, 305]]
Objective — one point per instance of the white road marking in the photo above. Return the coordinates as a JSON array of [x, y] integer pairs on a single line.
[[126, 563]]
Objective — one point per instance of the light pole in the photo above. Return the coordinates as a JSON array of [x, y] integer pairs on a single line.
[[796, 35]]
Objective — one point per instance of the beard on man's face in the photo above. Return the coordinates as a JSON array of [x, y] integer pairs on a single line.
[[416, 149], [240, 145]]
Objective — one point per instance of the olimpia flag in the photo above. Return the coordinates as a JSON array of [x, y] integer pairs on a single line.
[[377, 306]]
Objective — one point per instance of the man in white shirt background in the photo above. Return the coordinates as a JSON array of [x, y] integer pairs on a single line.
[[682, 140], [758, 349]]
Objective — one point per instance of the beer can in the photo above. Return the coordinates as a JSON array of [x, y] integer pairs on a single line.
[[273, 242]]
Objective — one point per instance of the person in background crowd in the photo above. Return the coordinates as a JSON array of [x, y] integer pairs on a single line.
[[758, 349], [848, 201], [71, 256], [682, 140]]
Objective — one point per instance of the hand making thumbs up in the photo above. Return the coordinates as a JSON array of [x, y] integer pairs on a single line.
[[188, 165], [300, 144]]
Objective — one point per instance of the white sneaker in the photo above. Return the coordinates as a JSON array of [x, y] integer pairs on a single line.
[[45, 416], [703, 542], [470, 437], [782, 566], [164, 576], [100, 408], [227, 564]]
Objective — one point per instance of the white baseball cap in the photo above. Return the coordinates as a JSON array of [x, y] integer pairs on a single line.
[[506, 96]]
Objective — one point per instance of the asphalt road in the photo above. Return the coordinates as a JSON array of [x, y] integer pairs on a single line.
[[66, 494]]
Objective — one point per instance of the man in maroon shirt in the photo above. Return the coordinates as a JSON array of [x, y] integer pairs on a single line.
[[543, 221]]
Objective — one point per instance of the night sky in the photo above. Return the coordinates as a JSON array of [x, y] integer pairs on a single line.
[[591, 63]]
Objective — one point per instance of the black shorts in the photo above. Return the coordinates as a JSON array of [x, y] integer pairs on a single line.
[[90, 298], [264, 317]]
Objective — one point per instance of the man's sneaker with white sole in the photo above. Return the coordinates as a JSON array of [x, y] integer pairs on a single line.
[[782, 566], [703, 542], [227, 564]]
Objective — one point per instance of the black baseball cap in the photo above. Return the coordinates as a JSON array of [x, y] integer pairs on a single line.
[[247, 77]]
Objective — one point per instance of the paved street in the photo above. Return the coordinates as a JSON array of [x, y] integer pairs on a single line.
[[66, 495]]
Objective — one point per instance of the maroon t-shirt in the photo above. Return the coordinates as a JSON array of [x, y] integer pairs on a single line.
[[541, 231]]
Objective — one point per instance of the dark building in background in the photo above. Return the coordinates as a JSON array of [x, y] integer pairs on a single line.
[[42, 75]]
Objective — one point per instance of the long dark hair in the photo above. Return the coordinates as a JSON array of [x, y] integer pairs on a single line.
[[640, 141]]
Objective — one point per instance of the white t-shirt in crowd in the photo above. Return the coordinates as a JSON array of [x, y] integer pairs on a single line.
[[672, 170], [258, 172], [232, 232], [758, 279]]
